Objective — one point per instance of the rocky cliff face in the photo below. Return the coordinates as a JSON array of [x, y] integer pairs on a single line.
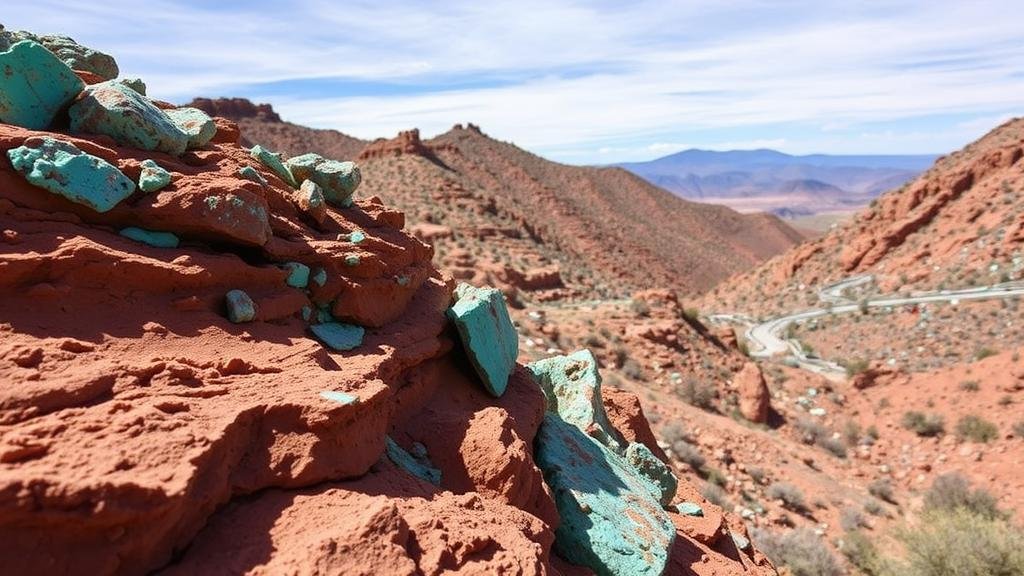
[[218, 360]]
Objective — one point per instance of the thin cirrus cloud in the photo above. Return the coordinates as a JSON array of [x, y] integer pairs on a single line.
[[584, 81]]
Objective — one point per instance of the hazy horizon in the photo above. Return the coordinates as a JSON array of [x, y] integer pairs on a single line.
[[584, 83]]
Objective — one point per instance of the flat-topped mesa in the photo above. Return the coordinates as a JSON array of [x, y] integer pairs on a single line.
[[407, 142], [235, 108]]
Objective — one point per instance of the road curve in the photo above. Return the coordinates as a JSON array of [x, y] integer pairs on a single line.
[[765, 339]]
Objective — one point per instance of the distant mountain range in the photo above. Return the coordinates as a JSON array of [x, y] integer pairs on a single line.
[[771, 181]]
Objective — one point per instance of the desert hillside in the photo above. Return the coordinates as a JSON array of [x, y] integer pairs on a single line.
[[571, 231]]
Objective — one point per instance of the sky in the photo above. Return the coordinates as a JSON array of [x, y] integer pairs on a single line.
[[583, 82]]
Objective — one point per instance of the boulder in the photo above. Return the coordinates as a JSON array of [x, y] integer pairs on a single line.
[[115, 110], [755, 399], [338, 180], [611, 522], [63, 169], [273, 162], [34, 86], [487, 334], [153, 177], [80, 57], [192, 121]]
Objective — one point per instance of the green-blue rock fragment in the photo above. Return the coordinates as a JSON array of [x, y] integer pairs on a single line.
[[404, 460], [73, 54], [320, 277], [298, 274], [250, 173], [307, 313], [337, 180], [741, 542], [63, 169], [199, 127], [357, 236], [113, 109], [572, 386], [135, 84], [241, 308], [487, 334], [342, 398], [610, 521], [35, 86], [339, 336], [273, 161], [663, 482], [157, 239], [352, 260], [690, 509], [153, 177]]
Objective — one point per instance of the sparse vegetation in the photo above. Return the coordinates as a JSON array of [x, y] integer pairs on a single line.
[[791, 496], [716, 495], [970, 385], [697, 393], [983, 353], [1018, 429], [953, 491], [976, 429], [882, 489], [802, 552], [923, 424]]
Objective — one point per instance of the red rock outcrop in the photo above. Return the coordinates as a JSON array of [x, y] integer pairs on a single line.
[[407, 142], [235, 108], [754, 397]]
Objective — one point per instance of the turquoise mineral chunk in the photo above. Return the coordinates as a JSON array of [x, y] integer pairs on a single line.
[[153, 177], [75, 55], [352, 260], [199, 127], [337, 180], [342, 398], [663, 482], [487, 334], [572, 386], [323, 314], [402, 280], [34, 86], [113, 109], [339, 336], [610, 520], [357, 237], [689, 509], [250, 173], [241, 308], [63, 169], [135, 84], [273, 161], [307, 313], [157, 239], [404, 460], [320, 276], [298, 274]]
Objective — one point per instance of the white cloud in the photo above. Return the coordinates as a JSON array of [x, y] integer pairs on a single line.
[[578, 76]]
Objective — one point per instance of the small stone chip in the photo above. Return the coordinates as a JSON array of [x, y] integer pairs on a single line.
[[352, 260], [298, 274], [241, 308], [156, 239], [357, 236], [689, 509], [250, 173], [320, 276], [339, 336], [404, 460], [342, 398], [273, 162], [153, 177]]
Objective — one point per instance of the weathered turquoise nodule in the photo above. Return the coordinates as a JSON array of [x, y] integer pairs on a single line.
[[153, 177], [339, 336], [298, 274], [35, 85], [63, 169], [410, 464], [610, 521], [337, 180], [487, 334], [273, 161], [115, 110], [199, 127]]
